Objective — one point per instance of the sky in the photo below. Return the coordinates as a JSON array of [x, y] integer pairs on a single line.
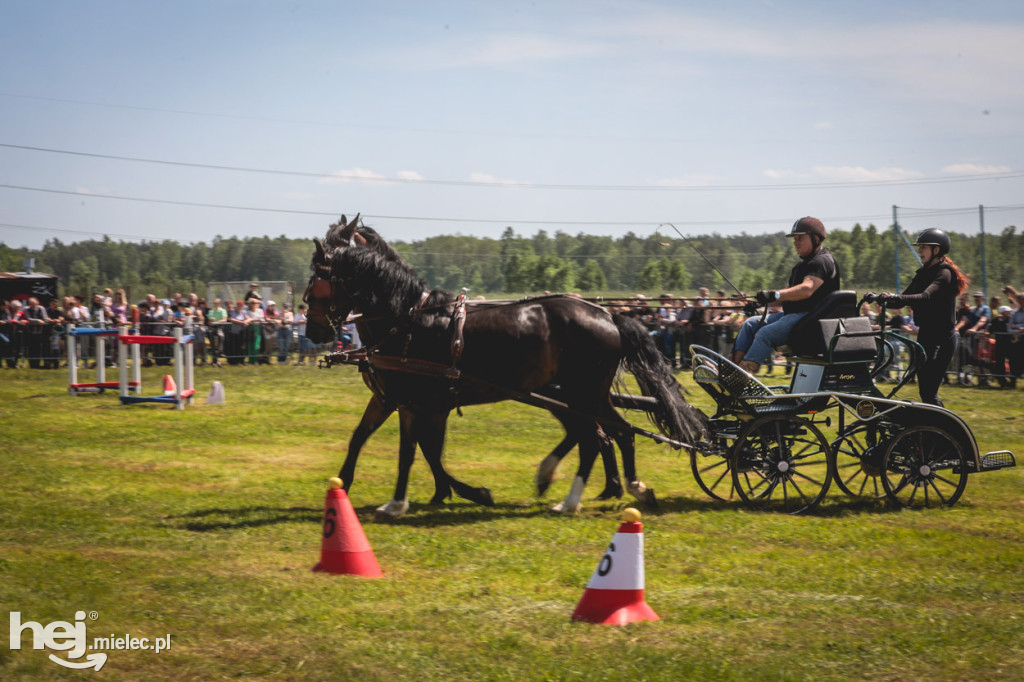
[[191, 120]]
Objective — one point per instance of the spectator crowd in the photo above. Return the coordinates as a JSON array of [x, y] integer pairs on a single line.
[[247, 331], [991, 351], [257, 332]]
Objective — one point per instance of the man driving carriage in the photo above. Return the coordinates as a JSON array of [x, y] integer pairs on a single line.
[[813, 278]]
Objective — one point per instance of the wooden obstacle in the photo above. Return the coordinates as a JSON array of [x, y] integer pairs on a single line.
[[184, 386], [76, 387]]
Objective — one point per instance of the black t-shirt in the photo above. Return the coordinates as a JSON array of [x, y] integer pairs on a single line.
[[820, 264], [932, 297]]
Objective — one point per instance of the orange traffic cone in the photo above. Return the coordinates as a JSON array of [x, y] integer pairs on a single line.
[[345, 549], [170, 388], [615, 593]]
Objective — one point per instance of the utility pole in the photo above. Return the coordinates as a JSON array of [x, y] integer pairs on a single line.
[[984, 265], [896, 247]]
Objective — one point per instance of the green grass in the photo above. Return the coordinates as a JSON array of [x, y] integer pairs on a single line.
[[204, 524]]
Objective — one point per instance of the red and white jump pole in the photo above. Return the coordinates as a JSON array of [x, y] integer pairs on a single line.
[[184, 386]]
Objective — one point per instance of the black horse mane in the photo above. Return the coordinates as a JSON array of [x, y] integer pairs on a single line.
[[382, 285], [341, 233]]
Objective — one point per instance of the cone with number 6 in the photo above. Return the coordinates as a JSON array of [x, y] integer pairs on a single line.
[[615, 593], [345, 549]]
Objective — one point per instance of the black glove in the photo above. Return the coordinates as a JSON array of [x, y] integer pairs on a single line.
[[890, 300], [764, 296]]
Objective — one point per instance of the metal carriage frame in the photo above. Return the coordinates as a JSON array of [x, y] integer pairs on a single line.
[[767, 447]]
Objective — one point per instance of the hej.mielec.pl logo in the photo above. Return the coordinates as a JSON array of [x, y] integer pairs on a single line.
[[71, 637]]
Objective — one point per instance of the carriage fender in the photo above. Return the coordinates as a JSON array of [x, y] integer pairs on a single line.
[[940, 417]]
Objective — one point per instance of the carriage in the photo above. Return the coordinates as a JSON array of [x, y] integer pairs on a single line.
[[767, 447], [429, 353]]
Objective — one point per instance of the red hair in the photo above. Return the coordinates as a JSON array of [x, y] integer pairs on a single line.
[[960, 280]]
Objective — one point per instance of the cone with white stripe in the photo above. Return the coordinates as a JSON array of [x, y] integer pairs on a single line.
[[216, 396], [345, 549], [169, 386], [615, 593]]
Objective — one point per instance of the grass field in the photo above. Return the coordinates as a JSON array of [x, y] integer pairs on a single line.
[[203, 525]]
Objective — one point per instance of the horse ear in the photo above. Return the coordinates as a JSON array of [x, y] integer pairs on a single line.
[[321, 254], [352, 233], [344, 234]]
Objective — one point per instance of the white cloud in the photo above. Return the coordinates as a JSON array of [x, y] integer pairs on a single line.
[[784, 174], [495, 49], [941, 59], [862, 174], [822, 125], [352, 175], [843, 174], [409, 175], [491, 179], [975, 169]]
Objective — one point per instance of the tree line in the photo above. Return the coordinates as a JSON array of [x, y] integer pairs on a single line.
[[519, 264]]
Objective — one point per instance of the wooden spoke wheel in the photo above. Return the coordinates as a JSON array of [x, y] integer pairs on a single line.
[[712, 472], [924, 467], [781, 463]]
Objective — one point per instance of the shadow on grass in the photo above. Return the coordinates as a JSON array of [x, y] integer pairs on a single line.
[[204, 520], [830, 508], [459, 513], [454, 514]]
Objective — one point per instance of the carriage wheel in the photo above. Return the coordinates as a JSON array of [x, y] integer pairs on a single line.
[[781, 463], [713, 474], [857, 461], [924, 467]]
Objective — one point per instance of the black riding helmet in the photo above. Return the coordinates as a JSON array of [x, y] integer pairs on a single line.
[[811, 226], [934, 237]]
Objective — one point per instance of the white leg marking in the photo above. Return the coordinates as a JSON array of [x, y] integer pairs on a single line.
[[572, 503], [394, 508], [641, 492], [546, 470]]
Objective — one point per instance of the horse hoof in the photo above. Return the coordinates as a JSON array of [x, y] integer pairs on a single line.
[[563, 508], [643, 494], [393, 509], [484, 497], [609, 493]]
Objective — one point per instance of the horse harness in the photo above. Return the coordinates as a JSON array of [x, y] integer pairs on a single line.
[[368, 359]]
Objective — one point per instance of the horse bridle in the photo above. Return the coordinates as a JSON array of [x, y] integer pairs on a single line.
[[322, 288]]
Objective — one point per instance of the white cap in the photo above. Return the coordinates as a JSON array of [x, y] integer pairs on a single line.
[[1005, 309], [270, 303]]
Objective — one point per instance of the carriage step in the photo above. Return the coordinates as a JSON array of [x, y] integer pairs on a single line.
[[1000, 459]]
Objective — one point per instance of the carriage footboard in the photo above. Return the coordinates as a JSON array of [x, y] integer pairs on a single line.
[[1000, 459]]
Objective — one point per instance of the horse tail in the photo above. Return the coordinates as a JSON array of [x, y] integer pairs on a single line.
[[673, 416]]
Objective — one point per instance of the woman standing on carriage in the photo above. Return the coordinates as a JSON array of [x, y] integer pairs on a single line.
[[932, 296]]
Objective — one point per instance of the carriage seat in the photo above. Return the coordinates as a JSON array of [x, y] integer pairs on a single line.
[[837, 313], [734, 389]]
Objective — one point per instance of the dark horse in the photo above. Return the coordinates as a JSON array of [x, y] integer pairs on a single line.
[[518, 350], [379, 408]]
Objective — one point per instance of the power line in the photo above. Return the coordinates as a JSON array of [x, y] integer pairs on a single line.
[[489, 221], [528, 185]]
